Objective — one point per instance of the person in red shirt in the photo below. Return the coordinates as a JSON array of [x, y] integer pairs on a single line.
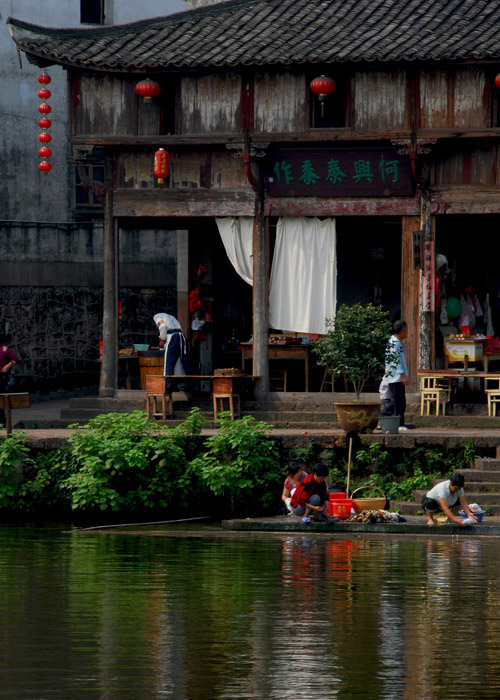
[[312, 495], [7, 361]]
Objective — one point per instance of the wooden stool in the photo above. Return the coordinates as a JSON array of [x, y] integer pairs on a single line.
[[429, 397], [152, 406], [234, 404], [277, 380], [493, 398], [327, 379]]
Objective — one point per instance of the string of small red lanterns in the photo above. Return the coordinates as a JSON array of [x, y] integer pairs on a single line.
[[44, 123]]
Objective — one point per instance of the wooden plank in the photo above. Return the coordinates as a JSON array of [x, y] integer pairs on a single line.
[[472, 98], [280, 102], [21, 400], [465, 200], [380, 100], [347, 206], [211, 104], [433, 98], [176, 202], [410, 295]]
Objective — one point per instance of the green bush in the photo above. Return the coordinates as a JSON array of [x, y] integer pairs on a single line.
[[241, 464], [122, 461]]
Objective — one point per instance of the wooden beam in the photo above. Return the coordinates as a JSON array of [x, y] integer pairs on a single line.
[[469, 199], [109, 368], [323, 136], [346, 206], [260, 300], [410, 294], [188, 202]]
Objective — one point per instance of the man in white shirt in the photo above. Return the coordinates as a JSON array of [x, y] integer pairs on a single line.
[[443, 497]]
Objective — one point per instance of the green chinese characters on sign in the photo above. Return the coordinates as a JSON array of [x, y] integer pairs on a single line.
[[362, 169], [389, 167], [335, 174], [285, 169], [309, 177]]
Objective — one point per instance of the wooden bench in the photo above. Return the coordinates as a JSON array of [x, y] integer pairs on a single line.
[[10, 401]]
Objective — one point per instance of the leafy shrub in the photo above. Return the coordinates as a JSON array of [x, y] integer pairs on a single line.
[[14, 455], [124, 461], [241, 464]]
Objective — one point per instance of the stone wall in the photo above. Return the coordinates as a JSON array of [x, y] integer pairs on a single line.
[[55, 331]]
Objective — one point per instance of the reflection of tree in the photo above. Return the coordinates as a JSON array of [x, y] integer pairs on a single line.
[[256, 618]]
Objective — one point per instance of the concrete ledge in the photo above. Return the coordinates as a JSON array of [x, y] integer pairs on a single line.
[[292, 524]]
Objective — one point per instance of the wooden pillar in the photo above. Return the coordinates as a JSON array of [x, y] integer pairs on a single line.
[[109, 368], [260, 298], [183, 280], [426, 318], [410, 295]]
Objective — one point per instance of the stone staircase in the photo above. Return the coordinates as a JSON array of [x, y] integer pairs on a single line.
[[290, 410], [482, 485]]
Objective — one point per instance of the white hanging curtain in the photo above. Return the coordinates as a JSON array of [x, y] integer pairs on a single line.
[[303, 288], [237, 236]]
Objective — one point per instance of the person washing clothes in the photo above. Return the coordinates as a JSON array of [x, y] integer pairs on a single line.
[[445, 496], [174, 341]]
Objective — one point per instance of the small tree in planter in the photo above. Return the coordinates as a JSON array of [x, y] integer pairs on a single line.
[[355, 344]]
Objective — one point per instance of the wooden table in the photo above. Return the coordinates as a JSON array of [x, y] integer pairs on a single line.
[[280, 352], [434, 376], [9, 401]]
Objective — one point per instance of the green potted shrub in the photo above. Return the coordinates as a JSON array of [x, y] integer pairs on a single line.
[[355, 347]]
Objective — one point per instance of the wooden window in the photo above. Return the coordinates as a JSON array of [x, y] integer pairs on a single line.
[[92, 11], [336, 106], [83, 198]]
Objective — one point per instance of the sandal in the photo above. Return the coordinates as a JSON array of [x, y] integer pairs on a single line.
[[306, 520]]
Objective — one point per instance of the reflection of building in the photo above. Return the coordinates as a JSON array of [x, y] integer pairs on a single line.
[[407, 143]]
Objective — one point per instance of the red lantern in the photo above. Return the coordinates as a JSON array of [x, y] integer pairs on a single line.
[[44, 79], [44, 152], [44, 94], [44, 123], [497, 80], [323, 86], [44, 137], [44, 166], [44, 108], [148, 89], [162, 160]]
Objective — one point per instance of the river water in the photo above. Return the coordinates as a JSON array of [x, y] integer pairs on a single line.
[[202, 616]]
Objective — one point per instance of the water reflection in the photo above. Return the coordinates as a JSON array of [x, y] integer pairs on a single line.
[[123, 617]]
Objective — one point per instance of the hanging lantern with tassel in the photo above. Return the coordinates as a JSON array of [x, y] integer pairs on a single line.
[[148, 89], [162, 161], [323, 86]]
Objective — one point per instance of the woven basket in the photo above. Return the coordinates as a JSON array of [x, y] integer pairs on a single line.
[[374, 503]]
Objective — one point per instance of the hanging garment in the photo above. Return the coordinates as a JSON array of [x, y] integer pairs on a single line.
[[237, 236], [303, 291]]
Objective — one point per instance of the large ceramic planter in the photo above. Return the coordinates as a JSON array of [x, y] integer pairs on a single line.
[[358, 416]]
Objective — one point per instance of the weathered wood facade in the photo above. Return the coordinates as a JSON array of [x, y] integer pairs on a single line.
[[219, 125]]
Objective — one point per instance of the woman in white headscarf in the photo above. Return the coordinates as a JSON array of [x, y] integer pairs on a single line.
[[174, 341]]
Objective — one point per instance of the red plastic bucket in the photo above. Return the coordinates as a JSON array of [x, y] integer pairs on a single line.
[[341, 508], [334, 496]]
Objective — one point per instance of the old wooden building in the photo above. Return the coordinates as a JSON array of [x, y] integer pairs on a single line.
[[403, 156]]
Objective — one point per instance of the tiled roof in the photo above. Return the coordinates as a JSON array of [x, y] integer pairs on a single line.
[[266, 32]]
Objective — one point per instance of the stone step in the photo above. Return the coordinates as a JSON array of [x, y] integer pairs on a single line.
[[474, 422], [486, 464], [476, 475], [412, 507], [472, 497]]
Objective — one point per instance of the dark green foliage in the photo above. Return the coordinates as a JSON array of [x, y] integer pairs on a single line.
[[401, 472], [356, 342], [241, 464]]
